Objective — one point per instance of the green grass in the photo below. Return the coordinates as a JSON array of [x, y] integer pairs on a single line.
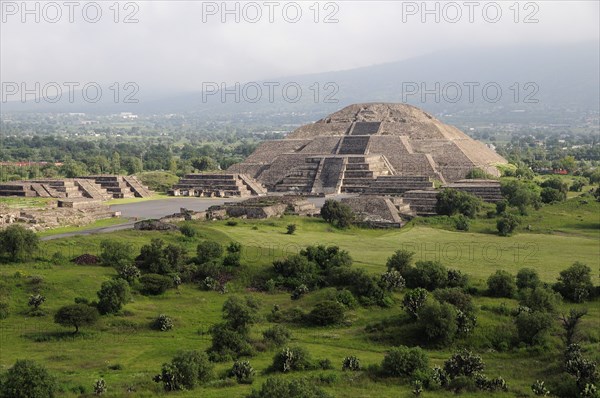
[[127, 339], [107, 222], [25, 203]]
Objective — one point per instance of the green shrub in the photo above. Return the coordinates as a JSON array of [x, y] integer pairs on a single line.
[[413, 301], [292, 359], [327, 313], [400, 261], [155, 284], [404, 361], [228, 343], [451, 202], [4, 310], [506, 224], [463, 363], [429, 275], [283, 388], [243, 372], [540, 299], [277, 335], [185, 371], [351, 363], [532, 327], [337, 214], [27, 379], [291, 228], [207, 251], [115, 253], [18, 243], [527, 278], [391, 280], [461, 223], [501, 284], [346, 298], [112, 296], [187, 230], [438, 321], [163, 323], [575, 283]]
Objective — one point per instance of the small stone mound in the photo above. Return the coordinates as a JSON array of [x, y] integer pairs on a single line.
[[154, 225], [86, 259]]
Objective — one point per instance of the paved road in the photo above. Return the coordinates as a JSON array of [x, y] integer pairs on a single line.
[[161, 208]]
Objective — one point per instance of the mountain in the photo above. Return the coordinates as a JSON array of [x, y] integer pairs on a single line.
[[561, 80]]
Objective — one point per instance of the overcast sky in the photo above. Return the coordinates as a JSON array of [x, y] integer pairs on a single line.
[[178, 45]]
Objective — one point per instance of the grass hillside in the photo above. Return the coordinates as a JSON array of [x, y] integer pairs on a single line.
[[127, 353]]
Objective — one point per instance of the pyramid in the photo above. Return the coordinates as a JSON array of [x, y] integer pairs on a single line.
[[365, 146]]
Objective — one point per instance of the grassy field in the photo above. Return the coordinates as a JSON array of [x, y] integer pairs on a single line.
[[561, 235]]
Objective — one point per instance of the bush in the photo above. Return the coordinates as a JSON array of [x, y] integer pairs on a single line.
[[155, 284], [163, 323], [351, 363], [240, 313], [438, 321], [391, 280], [463, 363], [533, 326], [457, 279], [291, 228], [280, 388], [4, 310], [506, 224], [501, 206], [540, 299], [404, 361], [413, 301], [291, 359], [461, 223], [551, 195], [337, 214], [27, 379], [76, 315], [112, 296], [527, 278], [129, 272], [429, 275], [501, 284], [243, 372], [185, 371], [346, 298], [451, 202], [100, 387], [400, 261], [299, 291], [115, 253], [158, 258], [18, 243], [228, 343], [207, 251], [277, 335], [575, 283], [187, 230], [327, 313], [36, 300]]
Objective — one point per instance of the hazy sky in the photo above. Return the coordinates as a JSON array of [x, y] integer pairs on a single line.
[[178, 45]]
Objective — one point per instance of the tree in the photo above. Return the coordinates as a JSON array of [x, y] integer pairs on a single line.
[[18, 243], [204, 163], [115, 253], [429, 275], [452, 201], [239, 314], [76, 315], [521, 194], [132, 164], [207, 251], [527, 278], [401, 261], [113, 294], [501, 284], [404, 361], [414, 300], [506, 224], [157, 258], [570, 323], [27, 379], [438, 321], [337, 214], [575, 283], [551, 195]]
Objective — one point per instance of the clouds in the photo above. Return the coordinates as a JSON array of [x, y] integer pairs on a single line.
[[176, 46]]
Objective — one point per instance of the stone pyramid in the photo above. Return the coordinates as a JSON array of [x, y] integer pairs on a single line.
[[368, 145]]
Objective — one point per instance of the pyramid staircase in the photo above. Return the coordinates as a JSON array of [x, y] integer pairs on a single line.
[[361, 171]]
